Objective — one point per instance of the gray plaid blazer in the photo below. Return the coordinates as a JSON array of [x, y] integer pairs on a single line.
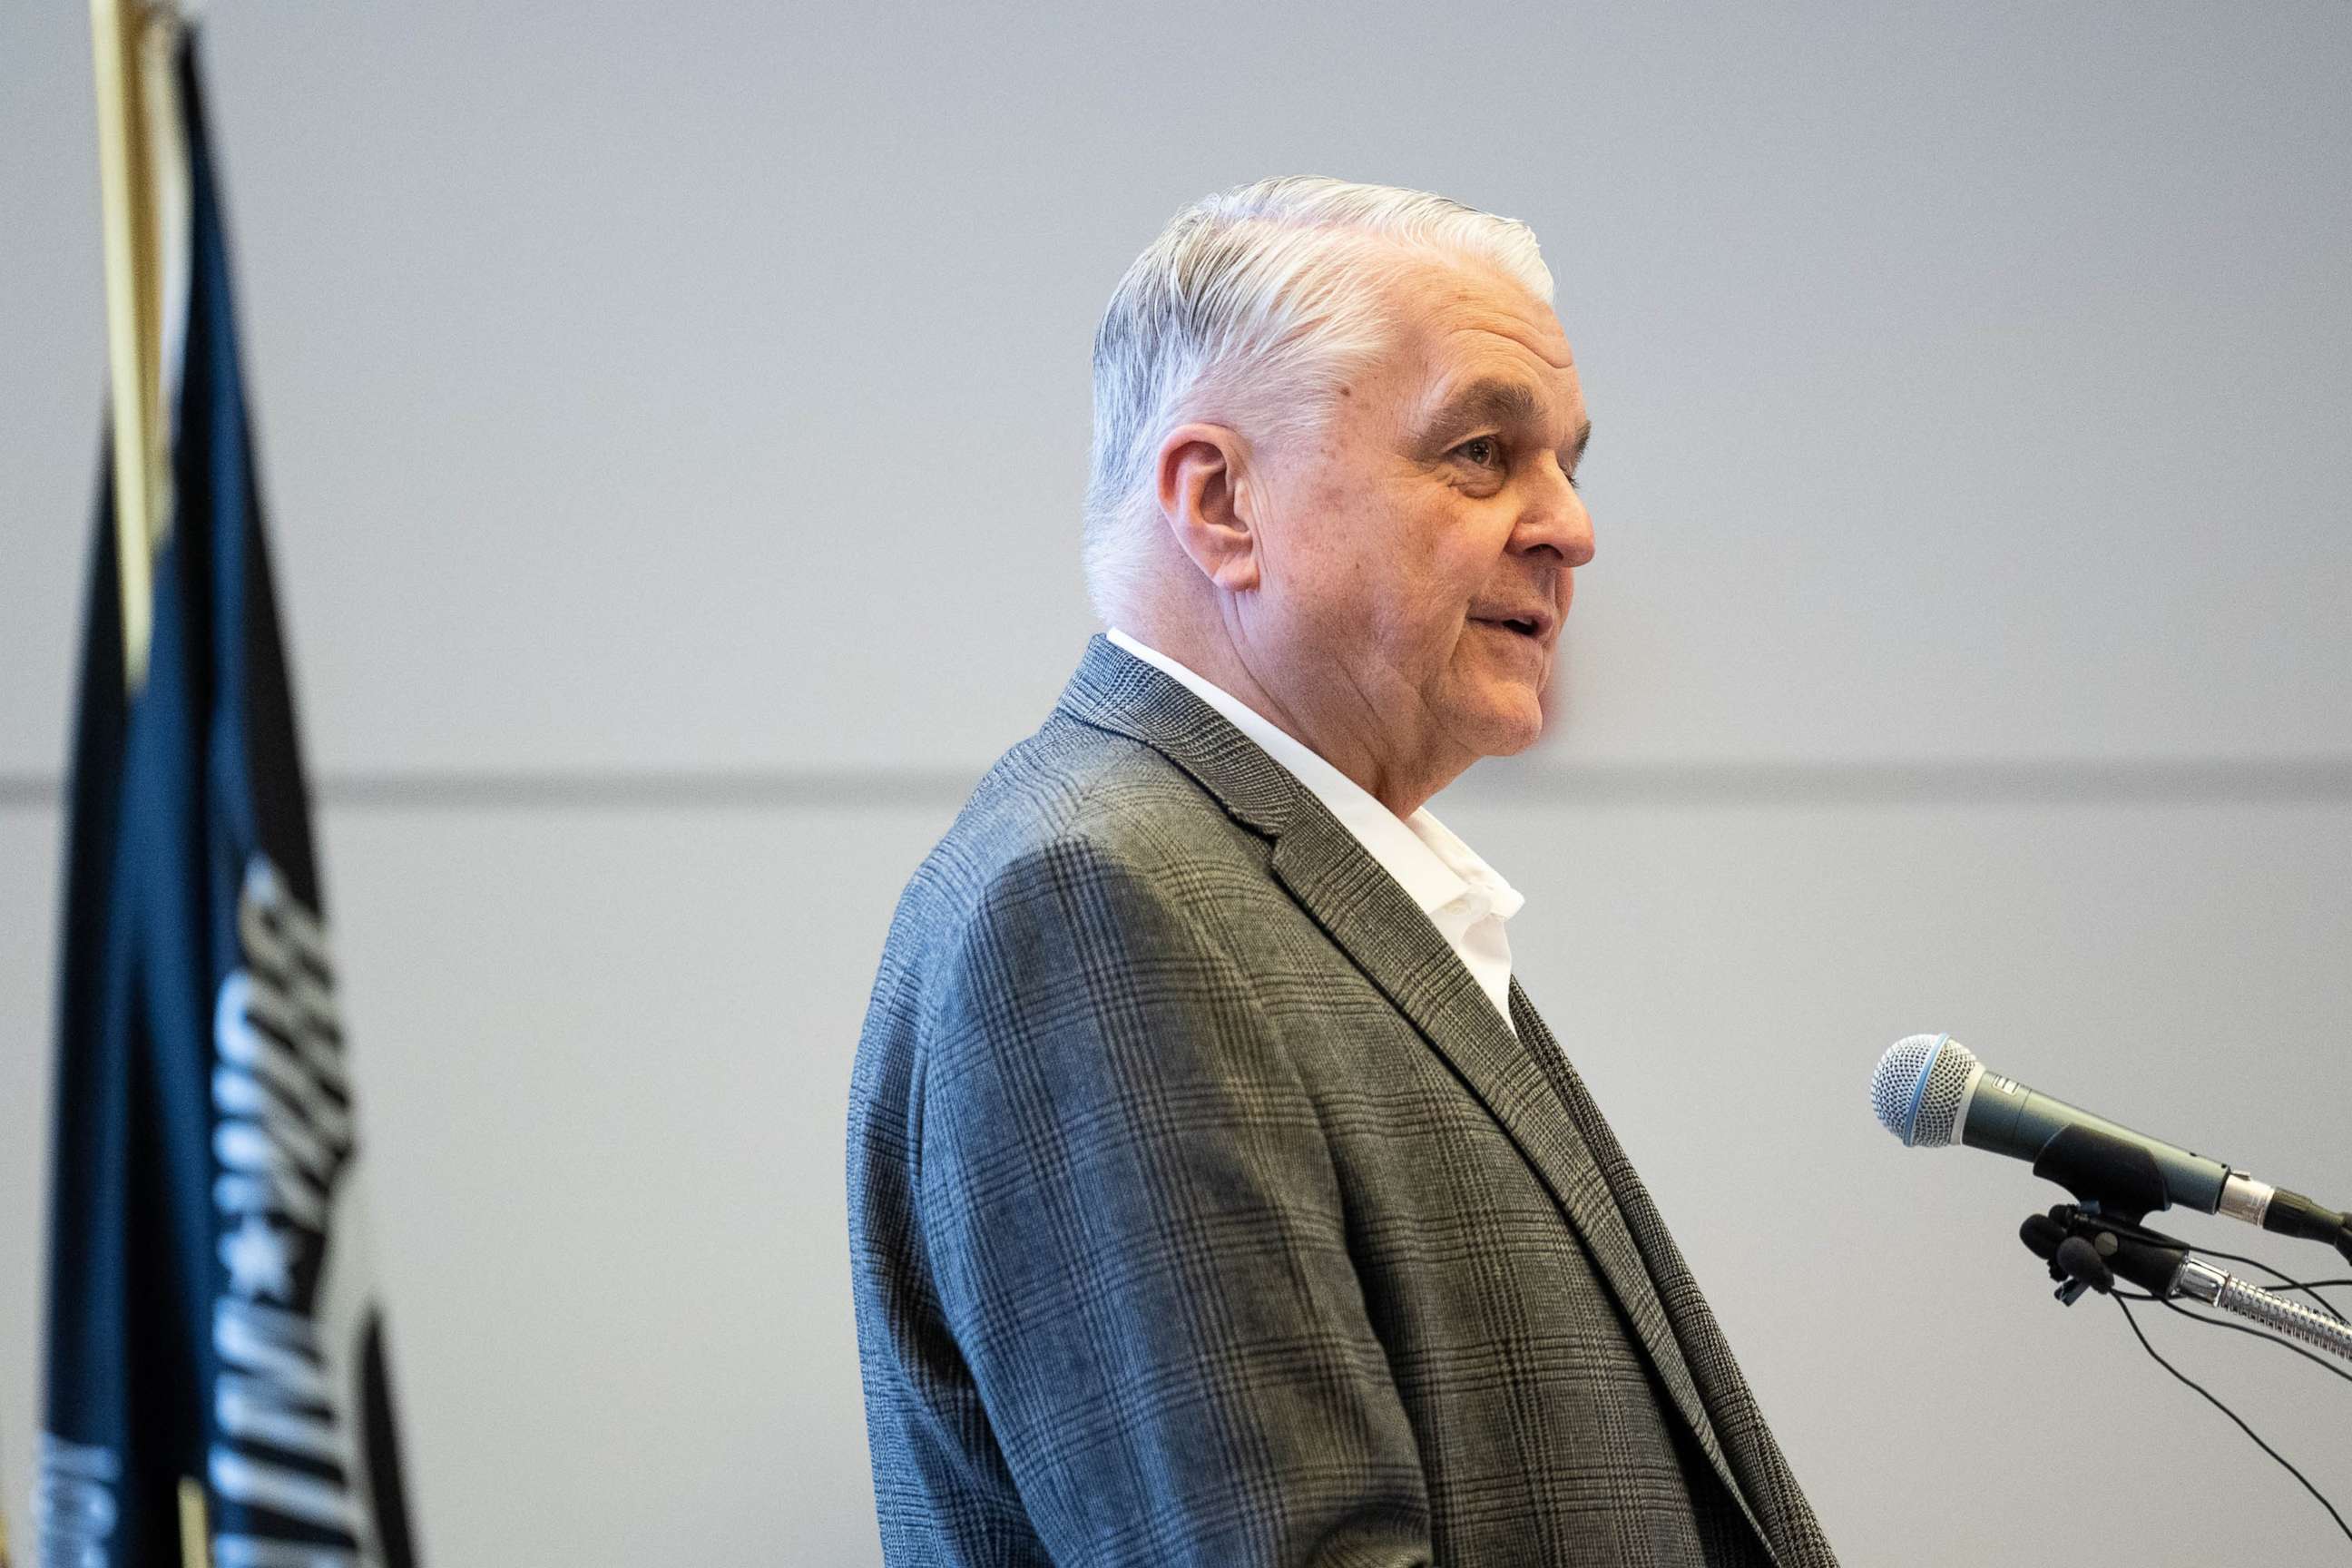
[[1203, 1211]]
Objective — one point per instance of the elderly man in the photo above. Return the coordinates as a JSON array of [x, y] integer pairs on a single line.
[[1216, 1197]]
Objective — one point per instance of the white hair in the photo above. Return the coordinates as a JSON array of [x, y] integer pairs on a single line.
[[1258, 301]]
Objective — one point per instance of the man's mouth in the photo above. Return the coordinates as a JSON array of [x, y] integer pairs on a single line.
[[1530, 626]]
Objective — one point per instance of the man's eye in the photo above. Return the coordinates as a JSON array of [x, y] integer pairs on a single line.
[[1491, 448]]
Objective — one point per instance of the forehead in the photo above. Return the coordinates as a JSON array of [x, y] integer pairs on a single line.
[[1469, 329]]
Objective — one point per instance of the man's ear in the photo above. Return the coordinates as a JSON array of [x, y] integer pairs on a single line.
[[1202, 503]]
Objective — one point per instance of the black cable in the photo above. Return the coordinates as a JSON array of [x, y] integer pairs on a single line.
[[2281, 1340], [2308, 1286], [2265, 1448]]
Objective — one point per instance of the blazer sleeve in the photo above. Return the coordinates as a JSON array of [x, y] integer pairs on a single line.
[[1136, 1233]]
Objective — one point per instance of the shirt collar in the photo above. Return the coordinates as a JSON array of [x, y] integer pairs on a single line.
[[1427, 859]]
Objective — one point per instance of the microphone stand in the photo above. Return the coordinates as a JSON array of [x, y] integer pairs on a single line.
[[2091, 1243]]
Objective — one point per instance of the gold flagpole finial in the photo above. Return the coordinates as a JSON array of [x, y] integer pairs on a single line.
[[133, 42]]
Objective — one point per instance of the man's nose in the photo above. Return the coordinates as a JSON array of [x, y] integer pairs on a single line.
[[1555, 526]]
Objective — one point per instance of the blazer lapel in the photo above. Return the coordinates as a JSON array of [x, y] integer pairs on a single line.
[[1366, 913], [1626, 1198], [1377, 924]]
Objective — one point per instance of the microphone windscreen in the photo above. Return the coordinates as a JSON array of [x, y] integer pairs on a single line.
[[2078, 1259], [1918, 1087]]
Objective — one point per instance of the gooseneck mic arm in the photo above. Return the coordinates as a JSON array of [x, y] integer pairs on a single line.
[[2202, 1282]]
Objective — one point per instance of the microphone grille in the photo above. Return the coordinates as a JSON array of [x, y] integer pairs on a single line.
[[1918, 1087]]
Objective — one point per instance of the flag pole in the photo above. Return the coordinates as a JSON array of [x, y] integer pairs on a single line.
[[134, 306]]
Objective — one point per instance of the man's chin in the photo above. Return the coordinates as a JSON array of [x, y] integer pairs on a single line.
[[1517, 743], [1509, 725]]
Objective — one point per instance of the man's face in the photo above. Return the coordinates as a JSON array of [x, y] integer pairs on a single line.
[[1417, 552]]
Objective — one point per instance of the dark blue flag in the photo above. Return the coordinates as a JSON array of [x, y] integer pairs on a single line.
[[216, 1374]]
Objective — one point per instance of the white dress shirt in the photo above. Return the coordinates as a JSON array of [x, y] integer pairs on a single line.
[[1463, 896]]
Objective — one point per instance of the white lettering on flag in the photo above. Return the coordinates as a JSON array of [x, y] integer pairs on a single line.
[[282, 1446]]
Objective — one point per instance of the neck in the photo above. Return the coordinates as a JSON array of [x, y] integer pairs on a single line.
[[1352, 744]]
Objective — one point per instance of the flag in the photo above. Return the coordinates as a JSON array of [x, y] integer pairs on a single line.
[[217, 1387]]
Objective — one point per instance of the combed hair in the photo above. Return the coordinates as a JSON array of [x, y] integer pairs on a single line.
[[1257, 302]]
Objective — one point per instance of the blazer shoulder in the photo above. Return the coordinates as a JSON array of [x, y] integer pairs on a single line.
[[1074, 789], [1076, 830]]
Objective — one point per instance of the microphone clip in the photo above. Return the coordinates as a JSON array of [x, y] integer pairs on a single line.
[[2106, 1173], [2089, 1250]]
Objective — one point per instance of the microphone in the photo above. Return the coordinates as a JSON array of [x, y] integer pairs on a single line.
[[1930, 1091]]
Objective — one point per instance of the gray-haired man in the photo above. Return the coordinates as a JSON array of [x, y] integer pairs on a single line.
[[1216, 1197]]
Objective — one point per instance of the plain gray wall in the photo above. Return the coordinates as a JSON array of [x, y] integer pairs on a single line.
[[674, 420]]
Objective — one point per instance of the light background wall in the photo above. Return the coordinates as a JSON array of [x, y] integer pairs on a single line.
[[674, 420]]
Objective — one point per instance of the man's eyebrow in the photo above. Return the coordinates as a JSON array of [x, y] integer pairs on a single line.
[[1497, 402]]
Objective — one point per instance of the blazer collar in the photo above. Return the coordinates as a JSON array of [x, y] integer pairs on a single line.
[[1379, 926], [1115, 690]]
